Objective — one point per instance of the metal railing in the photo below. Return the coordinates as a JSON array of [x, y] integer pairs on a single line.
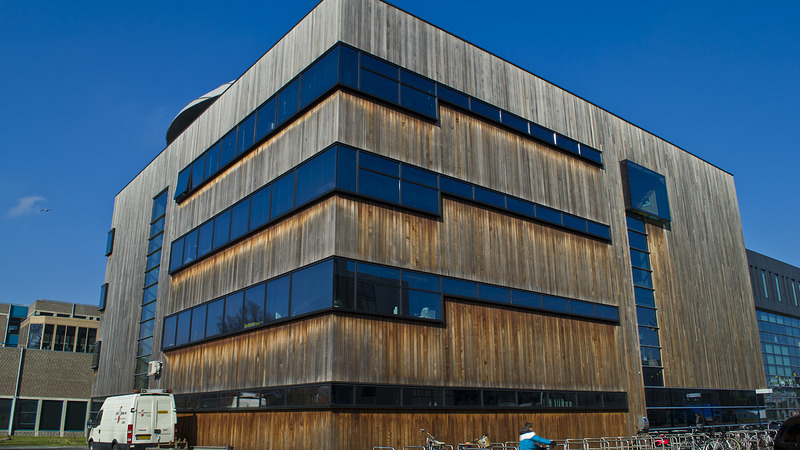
[[698, 439]]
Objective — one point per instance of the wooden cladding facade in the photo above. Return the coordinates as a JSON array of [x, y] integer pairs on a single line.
[[480, 346], [327, 430], [707, 323]]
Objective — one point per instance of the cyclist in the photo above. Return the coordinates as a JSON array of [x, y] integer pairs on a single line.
[[528, 440]]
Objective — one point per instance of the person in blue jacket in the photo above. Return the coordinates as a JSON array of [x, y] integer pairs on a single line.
[[528, 440]]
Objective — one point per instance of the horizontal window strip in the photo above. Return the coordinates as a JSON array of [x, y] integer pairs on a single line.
[[380, 396], [341, 168], [346, 67], [338, 284]]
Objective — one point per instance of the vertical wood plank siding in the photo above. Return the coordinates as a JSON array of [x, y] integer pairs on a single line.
[[325, 430], [318, 31]]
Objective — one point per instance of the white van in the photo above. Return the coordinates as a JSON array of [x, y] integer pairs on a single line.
[[135, 421]]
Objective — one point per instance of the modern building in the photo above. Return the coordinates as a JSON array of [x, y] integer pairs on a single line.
[[46, 379], [379, 227], [776, 290]]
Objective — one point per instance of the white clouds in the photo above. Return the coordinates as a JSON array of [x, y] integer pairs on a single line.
[[25, 206]]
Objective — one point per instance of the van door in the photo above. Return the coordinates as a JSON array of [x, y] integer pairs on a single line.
[[164, 427], [143, 422]]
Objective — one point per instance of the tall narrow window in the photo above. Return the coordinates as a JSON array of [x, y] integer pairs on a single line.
[[778, 287], [764, 283]]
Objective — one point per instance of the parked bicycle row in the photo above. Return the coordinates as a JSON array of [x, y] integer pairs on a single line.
[[701, 438]]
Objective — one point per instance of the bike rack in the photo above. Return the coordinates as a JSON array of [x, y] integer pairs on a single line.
[[755, 439]]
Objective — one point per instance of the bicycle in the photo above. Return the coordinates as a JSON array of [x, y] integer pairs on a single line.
[[431, 442]]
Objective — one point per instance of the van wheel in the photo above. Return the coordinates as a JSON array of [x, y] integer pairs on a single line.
[[113, 446]]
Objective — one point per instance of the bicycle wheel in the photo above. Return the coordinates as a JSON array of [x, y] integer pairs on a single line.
[[732, 444], [713, 444]]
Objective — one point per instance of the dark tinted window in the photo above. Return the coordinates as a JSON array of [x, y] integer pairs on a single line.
[[651, 356], [490, 197], [348, 66], [184, 181], [576, 223], [190, 247], [581, 308], [222, 229], [379, 85], [420, 281], [170, 325], [159, 206], [282, 195], [605, 312], [591, 154], [378, 164], [381, 67], [278, 298], [462, 397], [312, 288], [216, 317], [494, 293], [247, 134], [199, 323], [240, 216], [500, 398], [319, 77], [647, 191], [548, 214], [110, 242], [288, 100], [642, 278], [418, 82], [344, 284], [205, 238], [418, 101], [346, 175], [652, 376], [50, 416], [526, 299], [377, 298], [416, 196], [521, 207], [254, 305], [637, 240], [316, 177], [599, 230], [265, 119], [648, 336], [234, 312], [378, 274], [259, 209], [542, 133], [451, 96], [515, 122], [176, 255], [380, 186], [425, 305], [459, 288], [558, 304], [184, 328], [212, 160], [567, 143], [455, 187], [646, 316], [419, 176], [227, 149], [485, 109]]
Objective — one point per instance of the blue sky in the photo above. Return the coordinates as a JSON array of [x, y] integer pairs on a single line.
[[91, 87]]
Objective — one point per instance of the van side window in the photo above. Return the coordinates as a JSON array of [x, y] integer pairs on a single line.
[[99, 417]]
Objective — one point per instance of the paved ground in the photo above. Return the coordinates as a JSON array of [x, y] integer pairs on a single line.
[[42, 448]]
